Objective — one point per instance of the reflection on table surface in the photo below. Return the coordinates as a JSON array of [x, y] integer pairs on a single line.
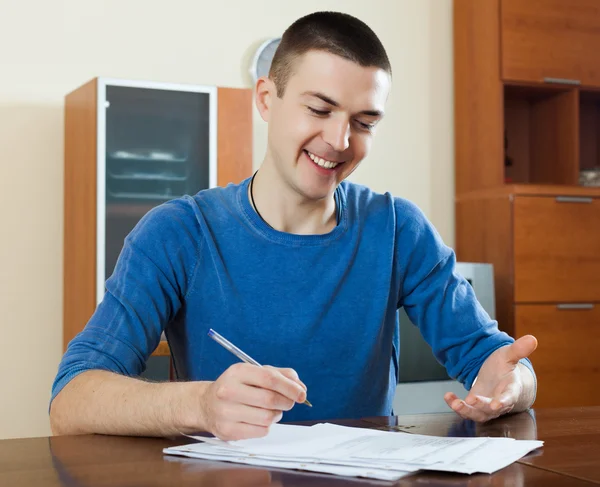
[[571, 436]]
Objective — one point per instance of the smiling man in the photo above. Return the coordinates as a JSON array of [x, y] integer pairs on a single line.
[[322, 116], [300, 268]]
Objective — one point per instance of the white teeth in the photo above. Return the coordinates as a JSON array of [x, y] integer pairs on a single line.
[[322, 162]]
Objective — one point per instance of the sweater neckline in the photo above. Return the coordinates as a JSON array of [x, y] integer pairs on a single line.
[[266, 231]]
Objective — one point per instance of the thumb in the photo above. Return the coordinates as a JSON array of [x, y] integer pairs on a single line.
[[521, 348]]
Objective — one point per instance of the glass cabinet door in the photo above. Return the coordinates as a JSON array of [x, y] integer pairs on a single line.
[[159, 145]]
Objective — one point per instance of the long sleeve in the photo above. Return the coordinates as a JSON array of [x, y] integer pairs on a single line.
[[440, 302], [142, 296]]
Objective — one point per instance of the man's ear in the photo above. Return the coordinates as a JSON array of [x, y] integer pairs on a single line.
[[263, 94]]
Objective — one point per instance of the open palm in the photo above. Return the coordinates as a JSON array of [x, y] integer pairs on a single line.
[[498, 388]]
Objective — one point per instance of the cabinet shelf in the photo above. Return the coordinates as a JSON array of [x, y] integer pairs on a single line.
[[551, 134], [533, 190], [117, 210], [540, 134]]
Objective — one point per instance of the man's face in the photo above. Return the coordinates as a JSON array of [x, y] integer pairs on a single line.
[[322, 127]]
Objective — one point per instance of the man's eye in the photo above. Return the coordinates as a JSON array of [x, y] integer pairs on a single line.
[[365, 126], [319, 112]]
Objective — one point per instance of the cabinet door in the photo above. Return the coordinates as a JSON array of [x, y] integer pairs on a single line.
[[159, 145], [551, 39], [556, 249], [566, 362]]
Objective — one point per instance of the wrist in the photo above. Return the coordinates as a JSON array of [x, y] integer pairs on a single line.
[[188, 413], [528, 391]]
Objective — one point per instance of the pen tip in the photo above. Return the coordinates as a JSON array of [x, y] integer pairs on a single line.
[[308, 404]]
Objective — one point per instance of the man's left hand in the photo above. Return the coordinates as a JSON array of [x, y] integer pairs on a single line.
[[502, 386]]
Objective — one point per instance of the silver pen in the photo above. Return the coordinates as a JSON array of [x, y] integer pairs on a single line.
[[237, 352]]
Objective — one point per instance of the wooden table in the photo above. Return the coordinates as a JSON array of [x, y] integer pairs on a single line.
[[571, 436], [570, 456]]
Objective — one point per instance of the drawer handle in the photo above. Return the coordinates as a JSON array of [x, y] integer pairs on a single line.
[[574, 199], [562, 81], [575, 306]]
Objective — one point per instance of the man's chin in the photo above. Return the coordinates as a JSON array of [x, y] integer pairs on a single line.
[[317, 193]]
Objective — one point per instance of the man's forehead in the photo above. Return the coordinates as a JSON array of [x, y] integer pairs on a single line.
[[339, 80], [324, 63]]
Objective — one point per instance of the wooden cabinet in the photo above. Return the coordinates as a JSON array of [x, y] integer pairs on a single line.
[[545, 247], [527, 132], [566, 362], [556, 248], [130, 146], [519, 130], [551, 41]]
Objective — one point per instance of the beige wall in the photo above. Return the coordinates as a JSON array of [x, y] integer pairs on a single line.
[[50, 48]]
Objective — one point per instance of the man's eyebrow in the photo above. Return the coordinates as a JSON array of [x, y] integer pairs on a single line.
[[330, 101], [372, 113], [323, 97]]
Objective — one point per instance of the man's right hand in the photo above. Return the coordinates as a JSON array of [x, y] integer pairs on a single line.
[[246, 400]]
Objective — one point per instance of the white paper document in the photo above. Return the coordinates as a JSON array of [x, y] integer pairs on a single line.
[[359, 452]]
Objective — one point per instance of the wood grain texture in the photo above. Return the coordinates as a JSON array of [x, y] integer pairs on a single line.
[[551, 38], [572, 439], [532, 190], [517, 123], [234, 129], [571, 442], [79, 265], [566, 362], [477, 96], [541, 124], [555, 139], [556, 250], [484, 234], [544, 252]]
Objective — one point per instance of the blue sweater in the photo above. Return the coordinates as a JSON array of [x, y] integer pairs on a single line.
[[325, 305]]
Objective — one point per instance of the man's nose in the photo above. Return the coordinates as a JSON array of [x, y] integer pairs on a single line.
[[337, 134]]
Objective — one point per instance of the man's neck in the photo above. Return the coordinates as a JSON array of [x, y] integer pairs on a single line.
[[286, 210]]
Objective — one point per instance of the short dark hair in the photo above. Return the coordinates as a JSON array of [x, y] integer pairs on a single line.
[[334, 32]]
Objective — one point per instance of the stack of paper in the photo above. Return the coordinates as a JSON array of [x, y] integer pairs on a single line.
[[359, 452]]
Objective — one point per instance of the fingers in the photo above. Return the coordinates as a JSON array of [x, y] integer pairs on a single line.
[[473, 399], [264, 398], [255, 416], [259, 386], [246, 400], [290, 374], [508, 397], [272, 379], [475, 407], [490, 407], [232, 431], [521, 348], [253, 422], [449, 397]]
